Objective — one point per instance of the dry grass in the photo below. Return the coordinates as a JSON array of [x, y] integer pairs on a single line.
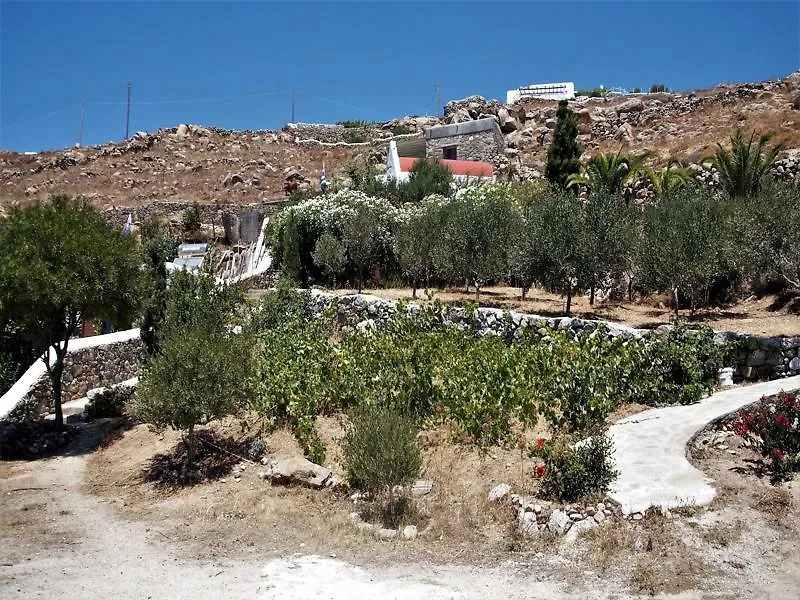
[[250, 514], [663, 561], [775, 502], [722, 534]]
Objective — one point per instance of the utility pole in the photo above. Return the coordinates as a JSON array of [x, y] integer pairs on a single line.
[[292, 106], [128, 117], [437, 100], [80, 136]]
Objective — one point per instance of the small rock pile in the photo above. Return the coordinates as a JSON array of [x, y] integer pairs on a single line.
[[535, 516]]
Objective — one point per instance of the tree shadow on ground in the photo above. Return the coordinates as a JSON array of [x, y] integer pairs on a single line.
[[38, 439], [788, 301], [215, 457]]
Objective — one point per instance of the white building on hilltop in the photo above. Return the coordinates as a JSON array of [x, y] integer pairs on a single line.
[[544, 91]]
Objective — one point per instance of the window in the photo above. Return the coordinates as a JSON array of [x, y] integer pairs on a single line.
[[450, 153]]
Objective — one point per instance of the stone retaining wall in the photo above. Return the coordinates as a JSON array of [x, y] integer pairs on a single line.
[[757, 358], [90, 362], [330, 133], [211, 212]]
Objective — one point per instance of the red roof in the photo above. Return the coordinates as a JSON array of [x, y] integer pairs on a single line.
[[473, 168]]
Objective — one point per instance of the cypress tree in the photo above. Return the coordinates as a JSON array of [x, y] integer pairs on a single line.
[[563, 155]]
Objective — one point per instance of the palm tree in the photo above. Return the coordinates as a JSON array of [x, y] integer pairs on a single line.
[[668, 179], [609, 172], [743, 167]]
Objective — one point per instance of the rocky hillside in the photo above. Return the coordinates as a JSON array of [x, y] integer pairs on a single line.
[[685, 125], [215, 166]]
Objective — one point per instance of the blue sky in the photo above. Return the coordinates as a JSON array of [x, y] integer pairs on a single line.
[[346, 60]]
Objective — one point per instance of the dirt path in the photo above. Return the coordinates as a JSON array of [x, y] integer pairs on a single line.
[[57, 541]]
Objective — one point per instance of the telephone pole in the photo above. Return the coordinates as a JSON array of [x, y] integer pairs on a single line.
[[80, 136], [437, 100], [128, 117]]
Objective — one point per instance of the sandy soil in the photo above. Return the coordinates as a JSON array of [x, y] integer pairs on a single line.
[[769, 315], [86, 524]]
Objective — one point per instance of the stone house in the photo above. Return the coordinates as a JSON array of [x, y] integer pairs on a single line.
[[479, 140]]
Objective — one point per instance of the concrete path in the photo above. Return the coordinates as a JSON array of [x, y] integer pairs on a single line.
[[650, 448]]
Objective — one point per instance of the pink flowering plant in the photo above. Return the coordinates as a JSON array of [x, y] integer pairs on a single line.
[[773, 427]]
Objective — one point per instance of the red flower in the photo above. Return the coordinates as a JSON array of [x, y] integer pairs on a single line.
[[539, 443], [776, 454], [782, 421], [539, 471]]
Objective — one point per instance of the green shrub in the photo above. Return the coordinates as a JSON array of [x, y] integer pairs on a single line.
[[354, 136], [678, 367], [571, 470], [153, 226], [428, 177], [401, 130], [353, 124], [580, 382], [283, 304], [192, 218], [291, 380], [380, 451], [110, 403]]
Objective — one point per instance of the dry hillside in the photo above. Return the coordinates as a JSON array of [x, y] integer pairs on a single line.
[[190, 163]]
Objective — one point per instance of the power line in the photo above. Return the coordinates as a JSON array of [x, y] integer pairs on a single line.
[[190, 100], [47, 116]]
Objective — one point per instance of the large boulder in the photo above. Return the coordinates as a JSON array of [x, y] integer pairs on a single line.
[[629, 106], [297, 471], [507, 122]]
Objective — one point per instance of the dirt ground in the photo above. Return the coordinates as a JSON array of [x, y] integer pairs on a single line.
[[87, 523], [769, 315]]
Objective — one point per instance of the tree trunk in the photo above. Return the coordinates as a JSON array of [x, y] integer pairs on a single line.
[[630, 289], [569, 299], [524, 292], [188, 441], [477, 293], [55, 382], [675, 300], [591, 295], [414, 288]]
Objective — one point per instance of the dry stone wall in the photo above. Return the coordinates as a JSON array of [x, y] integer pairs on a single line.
[[87, 369], [91, 362], [116, 215]]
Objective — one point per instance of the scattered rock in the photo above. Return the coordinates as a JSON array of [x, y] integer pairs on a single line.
[[559, 522], [410, 532], [499, 492], [579, 528], [386, 534], [297, 471], [421, 487]]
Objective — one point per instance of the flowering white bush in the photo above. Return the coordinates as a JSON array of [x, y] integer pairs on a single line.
[[329, 214]]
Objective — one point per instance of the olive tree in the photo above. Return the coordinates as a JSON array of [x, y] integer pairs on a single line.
[[203, 368], [417, 239], [330, 254], [480, 229], [683, 244], [607, 240], [61, 263]]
